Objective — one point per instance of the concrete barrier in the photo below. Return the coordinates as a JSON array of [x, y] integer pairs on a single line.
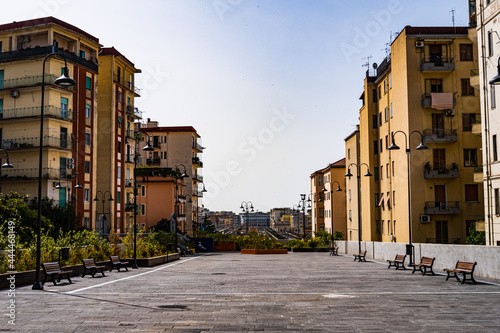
[[487, 257]]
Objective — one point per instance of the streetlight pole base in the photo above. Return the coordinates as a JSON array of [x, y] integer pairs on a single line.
[[134, 266], [37, 286]]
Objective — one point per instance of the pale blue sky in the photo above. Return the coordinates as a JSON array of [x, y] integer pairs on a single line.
[[272, 86]]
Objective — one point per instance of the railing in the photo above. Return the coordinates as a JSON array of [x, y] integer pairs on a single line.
[[427, 101], [442, 207], [444, 240], [49, 110], [29, 81], [440, 135], [129, 207], [121, 80], [474, 72], [198, 177], [478, 169], [441, 171], [197, 193], [27, 174], [437, 64], [129, 158], [50, 141], [151, 161], [129, 182], [196, 145], [196, 160], [133, 111], [44, 50]]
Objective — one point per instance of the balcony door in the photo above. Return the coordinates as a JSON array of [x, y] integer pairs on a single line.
[[438, 124], [439, 159], [440, 196], [442, 232], [63, 137]]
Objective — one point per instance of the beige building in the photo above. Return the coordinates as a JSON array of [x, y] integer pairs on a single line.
[[70, 114], [115, 142], [422, 93], [177, 147]]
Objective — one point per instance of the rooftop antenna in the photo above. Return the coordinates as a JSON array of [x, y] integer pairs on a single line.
[[452, 11], [367, 64]]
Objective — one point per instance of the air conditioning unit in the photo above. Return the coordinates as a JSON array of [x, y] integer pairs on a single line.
[[14, 93], [425, 219], [449, 112], [419, 43]]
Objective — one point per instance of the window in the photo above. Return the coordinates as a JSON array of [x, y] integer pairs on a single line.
[[349, 195], [493, 100], [128, 101], [82, 54], [377, 198], [1, 108], [392, 114], [381, 148], [386, 115], [467, 120], [381, 172], [118, 196], [87, 111], [380, 119], [375, 147], [495, 152], [1, 78], [87, 167], [471, 192], [388, 227], [350, 215], [349, 153], [490, 43], [466, 52], [390, 81], [394, 198], [64, 107], [87, 138], [470, 157], [143, 209], [467, 89], [86, 195], [86, 222], [433, 85], [119, 147], [375, 173], [383, 229], [375, 125], [119, 172], [385, 87], [379, 92], [88, 83], [387, 172], [393, 168], [386, 141], [497, 202], [394, 229], [143, 191], [119, 96], [377, 226], [374, 95]]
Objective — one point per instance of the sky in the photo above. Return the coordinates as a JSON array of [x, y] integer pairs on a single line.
[[271, 86]]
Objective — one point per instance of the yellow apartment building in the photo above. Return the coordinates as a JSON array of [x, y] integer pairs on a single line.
[[177, 147], [116, 141], [70, 114], [317, 202], [420, 94]]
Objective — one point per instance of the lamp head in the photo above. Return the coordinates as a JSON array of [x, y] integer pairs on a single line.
[[148, 147], [96, 199], [496, 79], [393, 146], [65, 79], [58, 186], [368, 173], [7, 164], [348, 174], [338, 189], [111, 199], [422, 146], [78, 186]]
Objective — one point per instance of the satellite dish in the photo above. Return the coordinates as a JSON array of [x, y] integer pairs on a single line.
[[374, 65]]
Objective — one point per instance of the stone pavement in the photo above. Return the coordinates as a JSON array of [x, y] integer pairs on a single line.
[[230, 292]]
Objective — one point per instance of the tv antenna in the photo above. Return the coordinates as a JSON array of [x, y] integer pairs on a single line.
[[452, 11], [367, 63]]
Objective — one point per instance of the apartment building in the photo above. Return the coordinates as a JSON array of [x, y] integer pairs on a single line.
[[115, 143], [177, 147], [352, 192], [421, 94], [317, 201], [484, 27], [70, 113]]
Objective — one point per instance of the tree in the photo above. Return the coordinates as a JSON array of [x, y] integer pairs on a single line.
[[475, 237]]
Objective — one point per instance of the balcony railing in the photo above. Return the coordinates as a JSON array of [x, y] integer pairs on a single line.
[[50, 141], [44, 50], [153, 161], [427, 100], [476, 127], [197, 161], [197, 146], [437, 64], [441, 171], [198, 177], [439, 135], [129, 158], [48, 110], [442, 207], [129, 207], [133, 111], [197, 193], [129, 182], [29, 81], [28, 174], [127, 84]]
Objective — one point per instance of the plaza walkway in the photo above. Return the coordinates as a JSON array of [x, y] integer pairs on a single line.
[[230, 292]]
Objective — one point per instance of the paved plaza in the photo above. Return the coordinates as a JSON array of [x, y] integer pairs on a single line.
[[231, 292]]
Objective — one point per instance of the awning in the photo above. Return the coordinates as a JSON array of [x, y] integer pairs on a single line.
[[442, 101], [381, 202]]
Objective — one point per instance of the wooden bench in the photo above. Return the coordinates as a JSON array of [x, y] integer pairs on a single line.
[[90, 266], [464, 268], [398, 262], [117, 263], [334, 251], [425, 263], [361, 256], [53, 270]]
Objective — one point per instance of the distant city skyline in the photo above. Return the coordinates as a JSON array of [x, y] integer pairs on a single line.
[[272, 87]]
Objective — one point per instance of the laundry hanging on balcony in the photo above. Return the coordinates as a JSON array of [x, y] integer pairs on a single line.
[[381, 202], [442, 101]]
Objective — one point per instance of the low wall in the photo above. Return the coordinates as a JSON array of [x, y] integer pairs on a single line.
[[487, 257]]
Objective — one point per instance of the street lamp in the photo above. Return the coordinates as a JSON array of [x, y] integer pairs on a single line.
[[358, 173], [246, 207], [176, 195], [103, 198], [331, 202], [6, 164], [77, 186], [421, 146], [303, 203], [67, 81]]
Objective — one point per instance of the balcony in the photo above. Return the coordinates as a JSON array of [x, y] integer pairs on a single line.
[[474, 78], [427, 100], [48, 141], [40, 51], [129, 207], [442, 207], [49, 111], [129, 183], [31, 174], [439, 135], [197, 161], [197, 147], [478, 174], [440, 171], [129, 158], [153, 161], [127, 84], [197, 193], [476, 127], [131, 111], [437, 64], [29, 81], [198, 177]]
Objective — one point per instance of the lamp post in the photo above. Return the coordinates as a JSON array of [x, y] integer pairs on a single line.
[[302, 203], [421, 146], [63, 80], [358, 174], [331, 202], [176, 195], [246, 207], [103, 199], [147, 147], [77, 186], [6, 164]]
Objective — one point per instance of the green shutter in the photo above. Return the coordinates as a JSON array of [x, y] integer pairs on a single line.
[[62, 197], [1, 79], [89, 83]]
